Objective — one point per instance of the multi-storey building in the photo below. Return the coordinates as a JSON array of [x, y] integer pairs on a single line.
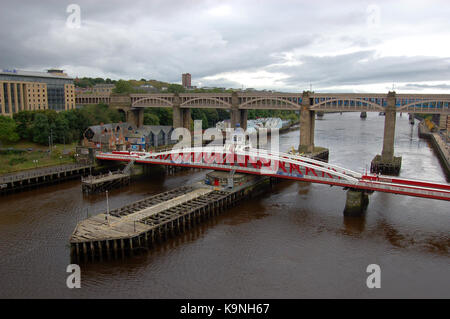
[[186, 80], [26, 90]]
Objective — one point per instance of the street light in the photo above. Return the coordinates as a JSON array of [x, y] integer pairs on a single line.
[[107, 208]]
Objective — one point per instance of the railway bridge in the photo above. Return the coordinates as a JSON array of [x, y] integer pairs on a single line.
[[307, 103]]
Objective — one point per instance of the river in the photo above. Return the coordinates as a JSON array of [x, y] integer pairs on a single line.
[[290, 243]]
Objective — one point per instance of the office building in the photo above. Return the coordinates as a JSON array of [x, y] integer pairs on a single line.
[[27, 90]]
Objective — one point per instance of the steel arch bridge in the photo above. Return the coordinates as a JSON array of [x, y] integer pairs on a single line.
[[342, 102], [284, 166]]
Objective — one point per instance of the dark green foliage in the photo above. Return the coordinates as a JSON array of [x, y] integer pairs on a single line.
[[40, 129], [151, 119], [164, 114], [175, 88], [65, 126], [17, 160], [123, 86], [8, 130]]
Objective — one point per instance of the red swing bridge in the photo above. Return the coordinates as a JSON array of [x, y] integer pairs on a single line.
[[284, 166]]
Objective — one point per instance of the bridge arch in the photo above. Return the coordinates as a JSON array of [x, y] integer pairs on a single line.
[[419, 103], [271, 99], [216, 102], [376, 106], [166, 103]]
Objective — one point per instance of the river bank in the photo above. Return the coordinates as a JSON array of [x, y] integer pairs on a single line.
[[441, 148]]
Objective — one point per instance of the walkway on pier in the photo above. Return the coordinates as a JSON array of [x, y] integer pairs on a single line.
[[43, 175], [150, 220]]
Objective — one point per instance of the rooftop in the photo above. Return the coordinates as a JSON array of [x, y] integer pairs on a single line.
[[34, 74]]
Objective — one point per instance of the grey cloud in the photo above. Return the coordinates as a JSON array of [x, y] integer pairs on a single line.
[[161, 39], [417, 86], [364, 67]]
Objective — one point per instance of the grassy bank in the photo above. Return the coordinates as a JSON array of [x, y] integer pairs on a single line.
[[25, 155]]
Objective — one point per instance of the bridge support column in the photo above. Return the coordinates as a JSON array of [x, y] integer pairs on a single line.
[[235, 113], [411, 118], [387, 163], [177, 117], [243, 119], [186, 115], [356, 203], [136, 117], [363, 115], [307, 123]]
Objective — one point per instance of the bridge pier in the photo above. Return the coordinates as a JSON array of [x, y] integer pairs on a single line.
[[177, 117], [136, 117], [356, 203], [123, 102], [307, 123], [387, 163], [187, 119], [411, 118], [237, 115]]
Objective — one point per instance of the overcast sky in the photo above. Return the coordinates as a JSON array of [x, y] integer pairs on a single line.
[[352, 46]]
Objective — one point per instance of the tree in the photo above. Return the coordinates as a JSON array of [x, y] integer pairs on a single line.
[[175, 88], [151, 119], [123, 86], [40, 129], [23, 120], [8, 133]]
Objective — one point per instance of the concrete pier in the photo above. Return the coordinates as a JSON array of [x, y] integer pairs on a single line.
[[307, 124], [356, 202], [387, 164], [237, 116]]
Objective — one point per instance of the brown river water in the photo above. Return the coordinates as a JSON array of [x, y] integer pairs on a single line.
[[292, 242]]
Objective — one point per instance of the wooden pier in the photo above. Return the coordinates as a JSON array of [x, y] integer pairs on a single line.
[[141, 225], [19, 181], [100, 183]]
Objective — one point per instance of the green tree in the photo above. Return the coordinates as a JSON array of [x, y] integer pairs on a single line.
[[151, 119], [175, 88], [40, 129], [24, 119], [123, 86], [8, 131]]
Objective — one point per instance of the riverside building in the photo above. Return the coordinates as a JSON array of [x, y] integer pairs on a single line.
[[27, 90]]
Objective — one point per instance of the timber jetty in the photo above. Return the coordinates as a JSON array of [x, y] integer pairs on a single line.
[[140, 225], [14, 182], [101, 183]]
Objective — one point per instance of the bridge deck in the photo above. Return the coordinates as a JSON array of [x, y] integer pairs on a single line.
[[287, 166]]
